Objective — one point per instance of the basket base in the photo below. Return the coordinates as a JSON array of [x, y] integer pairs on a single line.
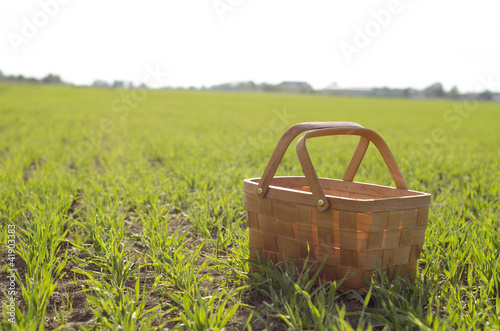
[[351, 279]]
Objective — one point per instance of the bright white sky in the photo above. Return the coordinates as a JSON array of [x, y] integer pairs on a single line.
[[423, 41]]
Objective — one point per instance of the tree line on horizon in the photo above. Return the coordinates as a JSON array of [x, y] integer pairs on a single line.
[[435, 90], [49, 79]]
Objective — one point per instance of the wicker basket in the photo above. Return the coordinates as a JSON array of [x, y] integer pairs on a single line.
[[353, 227]]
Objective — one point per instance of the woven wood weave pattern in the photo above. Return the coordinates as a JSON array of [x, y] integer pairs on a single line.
[[351, 243]]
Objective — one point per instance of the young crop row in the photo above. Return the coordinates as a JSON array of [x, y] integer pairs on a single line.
[[141, 226]]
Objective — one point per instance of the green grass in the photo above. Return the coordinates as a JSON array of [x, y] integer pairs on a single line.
[[130, 215]]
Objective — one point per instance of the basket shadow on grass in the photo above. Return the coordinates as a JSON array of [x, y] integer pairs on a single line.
[[301, 300]]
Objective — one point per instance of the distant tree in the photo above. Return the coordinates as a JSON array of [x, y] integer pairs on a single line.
[[306, 88], [269, 87], [294, 87], [434, 91], [453, 93], [486, 95], [407, 92], [99, 83], [118, 84], [252, 85], [386, 92], [52, 79], [400, 93]]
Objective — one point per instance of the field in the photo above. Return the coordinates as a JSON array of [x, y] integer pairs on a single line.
[[126, 209]]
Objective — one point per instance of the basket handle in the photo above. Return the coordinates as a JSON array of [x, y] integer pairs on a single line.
[[367, 135], [285, 141]]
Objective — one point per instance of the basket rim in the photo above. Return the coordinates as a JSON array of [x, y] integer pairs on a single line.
[[412, 192], [403, 199]]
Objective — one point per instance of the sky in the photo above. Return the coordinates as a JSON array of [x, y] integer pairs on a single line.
[[206, 42]]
